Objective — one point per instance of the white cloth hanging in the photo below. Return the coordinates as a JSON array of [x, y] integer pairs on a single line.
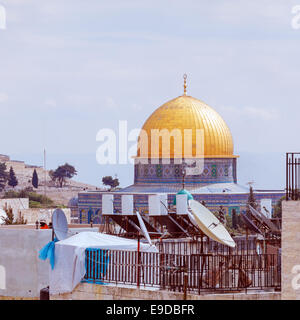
[[69, 267]]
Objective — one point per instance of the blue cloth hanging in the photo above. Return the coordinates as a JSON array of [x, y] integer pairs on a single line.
[[48, 251], [98, 267]]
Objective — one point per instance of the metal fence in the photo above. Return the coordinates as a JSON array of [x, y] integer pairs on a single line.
[[293, 176], [193, 273], [207, 246]]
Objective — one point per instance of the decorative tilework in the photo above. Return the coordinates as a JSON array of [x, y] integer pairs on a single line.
[[159, 170], [215, 171]]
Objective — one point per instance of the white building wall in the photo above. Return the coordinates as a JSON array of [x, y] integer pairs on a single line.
[[25, 273]]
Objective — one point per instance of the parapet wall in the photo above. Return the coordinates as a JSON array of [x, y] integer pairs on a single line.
[[33, 214], [89, 291], [15, 203], [290, 278], [25, 273], [22, 273]]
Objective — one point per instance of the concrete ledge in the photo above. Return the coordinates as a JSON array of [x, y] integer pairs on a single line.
[[89, 291], [18, 298]]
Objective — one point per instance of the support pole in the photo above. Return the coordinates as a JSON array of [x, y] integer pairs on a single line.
[[138, 262], [185, 283]]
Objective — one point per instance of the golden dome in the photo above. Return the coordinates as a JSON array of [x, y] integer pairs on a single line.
[[186, 112]]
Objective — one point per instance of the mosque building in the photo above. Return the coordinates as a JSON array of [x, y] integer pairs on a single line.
[[216, 183]]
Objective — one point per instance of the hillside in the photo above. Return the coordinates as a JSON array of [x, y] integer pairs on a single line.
[[24, 173]]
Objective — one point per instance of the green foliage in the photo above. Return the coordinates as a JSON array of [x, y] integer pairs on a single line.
[[234, 219], [221, 215], [240, 222], [35, 200], [109, 181], [278, 208], [3, 176], [39, 198], [228, 221], [34, 204], [251, 199], [12, 179], [228, 225], [62, 173], [35, 179]]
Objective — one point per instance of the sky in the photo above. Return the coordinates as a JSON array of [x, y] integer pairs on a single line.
[[70, 68]]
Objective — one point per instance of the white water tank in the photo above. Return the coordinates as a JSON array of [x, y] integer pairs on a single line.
[[181, 204], [107, 204], [127, 204]]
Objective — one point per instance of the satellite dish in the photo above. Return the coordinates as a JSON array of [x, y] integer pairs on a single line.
[[209, 224], [60, 224], [143, 228], [3, 216], [192, 219]]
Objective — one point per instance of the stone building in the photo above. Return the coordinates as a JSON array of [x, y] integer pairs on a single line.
[[24, 171]]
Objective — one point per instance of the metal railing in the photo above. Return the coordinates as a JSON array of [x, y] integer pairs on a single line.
[[195, 273], [293, 176], [208, 246]]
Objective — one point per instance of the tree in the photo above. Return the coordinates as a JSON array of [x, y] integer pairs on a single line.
[[10, 218], [109, 181], [278, 208], [221, 215], [251, 199], [240, 221], [3, 176], [62, 173], [234, 219], [12, 180], [35, 179]]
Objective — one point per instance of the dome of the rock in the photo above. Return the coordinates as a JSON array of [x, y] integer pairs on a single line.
[[184, 113]]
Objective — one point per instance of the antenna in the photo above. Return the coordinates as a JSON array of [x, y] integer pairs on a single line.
[[250, 183], [184, 84], [183, 176], [45, 172]]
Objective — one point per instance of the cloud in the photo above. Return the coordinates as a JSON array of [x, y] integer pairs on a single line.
[[136, 107], [104, 61], [3, 97], [252, 112], [261, 113], [51, 103]]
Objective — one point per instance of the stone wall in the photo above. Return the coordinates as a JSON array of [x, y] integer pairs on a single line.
[[16, 204], [290, 281], [24, 172], [89, 291], [4, 158], [34, 214]]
